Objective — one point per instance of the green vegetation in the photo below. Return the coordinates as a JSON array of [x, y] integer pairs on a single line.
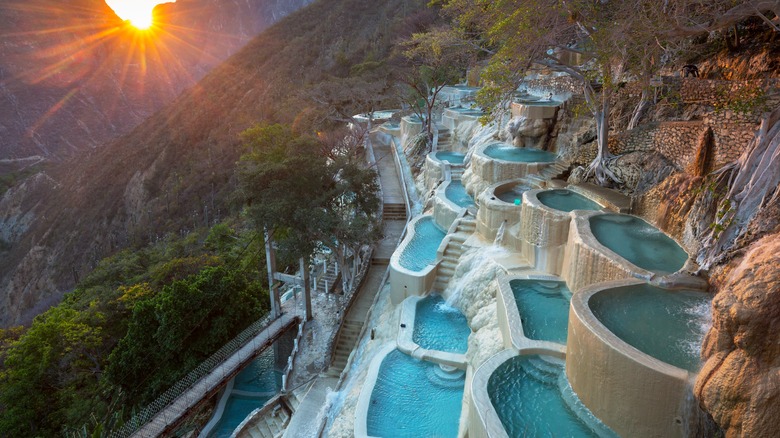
[[138, 323]]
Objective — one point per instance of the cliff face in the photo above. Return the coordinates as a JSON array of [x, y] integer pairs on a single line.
[[73, 75], [739, 384]]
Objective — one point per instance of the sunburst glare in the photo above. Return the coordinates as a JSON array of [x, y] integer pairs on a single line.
[[138, 12]]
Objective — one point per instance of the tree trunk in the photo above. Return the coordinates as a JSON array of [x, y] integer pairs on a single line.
[[309, 315], [273, 288], [639, 110], [755, 184], [599, 165]]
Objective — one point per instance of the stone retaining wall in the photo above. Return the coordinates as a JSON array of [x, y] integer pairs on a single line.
[[678, 141]]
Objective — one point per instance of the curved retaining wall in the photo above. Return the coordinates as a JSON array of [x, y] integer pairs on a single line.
[[445, 212], [493, 211], [586, 261], [511, 325], [491, 170], [404, 282], [364, 400], [631, 392], [544, 232]]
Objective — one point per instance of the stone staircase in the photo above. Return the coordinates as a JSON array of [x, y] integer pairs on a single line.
[[348, 337], [445, 139], [326, 283], [394, 212], [465, 227]]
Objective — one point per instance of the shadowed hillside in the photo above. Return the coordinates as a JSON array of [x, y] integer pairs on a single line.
[[73, 75], [173, 172]]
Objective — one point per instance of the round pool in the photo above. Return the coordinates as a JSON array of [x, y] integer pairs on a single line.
[[566, 200], [440, 327], [533, 399], [507, 152], [543, 308], [667, 325], [638, 242], [414, 398], [514, 195]]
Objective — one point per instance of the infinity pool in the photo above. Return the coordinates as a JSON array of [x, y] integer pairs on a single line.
[[566, 200], [668, 325], [438, 326], [527, 394], [456, 193], [452, 157], [414, 398], [421, 250], [544, 309], [638, 242], [506, 152]]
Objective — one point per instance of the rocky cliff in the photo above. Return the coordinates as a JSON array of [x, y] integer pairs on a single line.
[[739, 384]]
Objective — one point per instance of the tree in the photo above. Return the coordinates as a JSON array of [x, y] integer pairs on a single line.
[[309, 192], [615, 40], [173, 331], [432, 60]]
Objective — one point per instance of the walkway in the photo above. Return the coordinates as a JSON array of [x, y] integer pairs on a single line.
[[306, 420], [211, 382]]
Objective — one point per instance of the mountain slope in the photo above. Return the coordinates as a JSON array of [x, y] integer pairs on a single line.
[[73, 75], [173, 172]]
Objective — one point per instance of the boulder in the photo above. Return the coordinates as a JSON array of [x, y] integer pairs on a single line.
[[739, 384]]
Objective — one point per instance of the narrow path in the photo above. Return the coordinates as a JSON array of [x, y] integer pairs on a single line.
[[212, 381], [304, 422]]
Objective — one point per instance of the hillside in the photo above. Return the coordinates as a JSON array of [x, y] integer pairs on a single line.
[[73, 75], [173, 172]]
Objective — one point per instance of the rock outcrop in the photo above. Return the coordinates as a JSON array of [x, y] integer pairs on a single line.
[[739, 384]]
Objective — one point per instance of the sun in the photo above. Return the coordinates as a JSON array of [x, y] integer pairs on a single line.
[[138, 12]]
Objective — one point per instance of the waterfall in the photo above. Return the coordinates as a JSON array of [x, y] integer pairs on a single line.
[[499, 240], [474, 271]]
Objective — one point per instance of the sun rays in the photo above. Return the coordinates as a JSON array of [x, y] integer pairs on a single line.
[[137, 12], [82, 53]]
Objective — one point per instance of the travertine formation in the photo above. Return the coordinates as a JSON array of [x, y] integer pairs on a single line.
[[739, 384]]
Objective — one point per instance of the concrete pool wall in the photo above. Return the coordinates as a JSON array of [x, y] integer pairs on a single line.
[[487, 171], [630, 391], [544, 233], [405, 282], [509, 321], [445, 212], [586, 261]]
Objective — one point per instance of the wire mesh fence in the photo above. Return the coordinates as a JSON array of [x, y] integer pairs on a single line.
[[146, 414]]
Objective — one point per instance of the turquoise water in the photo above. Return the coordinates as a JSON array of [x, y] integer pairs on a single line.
[[464, 87], [638, 242], [468, 111], [514, 195], [544, 309], [538, 102], [260, 381], [668, 325], [452, 157], [526, 392], [507, 152], [414, 118], [414, 398], [438, 326], [566, 200], [456, 193], [422, 249]]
